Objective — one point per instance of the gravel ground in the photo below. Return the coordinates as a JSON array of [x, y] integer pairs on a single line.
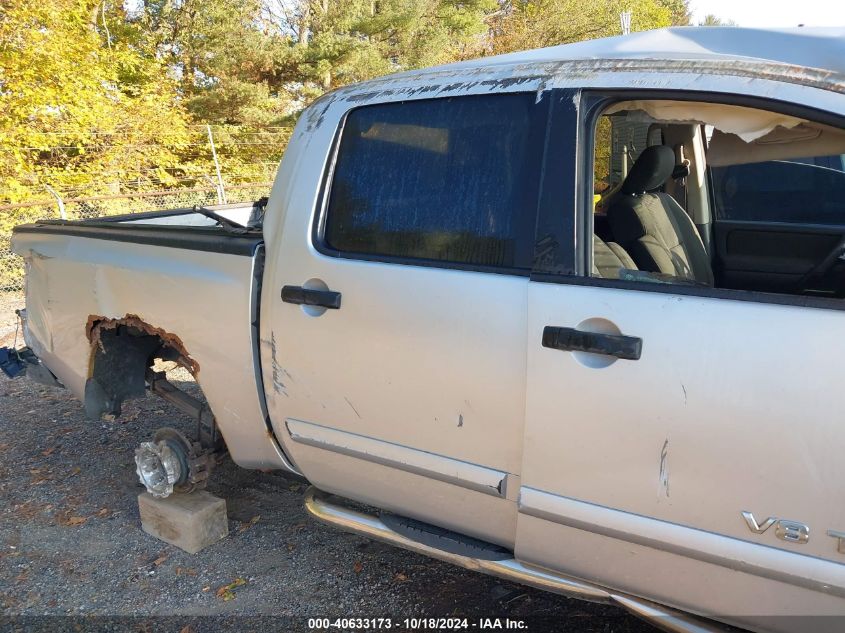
[[71, 543]]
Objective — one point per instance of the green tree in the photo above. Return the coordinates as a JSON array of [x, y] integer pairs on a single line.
[[538, 23], [713, 20]]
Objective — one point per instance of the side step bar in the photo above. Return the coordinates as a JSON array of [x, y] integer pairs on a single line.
[[344, 518]]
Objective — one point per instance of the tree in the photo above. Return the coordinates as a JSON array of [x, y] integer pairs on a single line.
[[712, 20], [80, 108], [537, 23]]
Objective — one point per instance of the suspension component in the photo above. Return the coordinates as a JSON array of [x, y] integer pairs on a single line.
[[171, 463]]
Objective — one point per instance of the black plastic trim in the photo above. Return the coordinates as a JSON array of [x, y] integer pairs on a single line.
[[554, 246], [168, 213], [210, 240], [798, 301], [569, 339], [311, 297]]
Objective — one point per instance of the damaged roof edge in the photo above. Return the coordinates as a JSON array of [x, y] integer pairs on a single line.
[[811, 48], [804, 56]]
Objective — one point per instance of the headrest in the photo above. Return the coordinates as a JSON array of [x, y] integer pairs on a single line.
[[652, 169]]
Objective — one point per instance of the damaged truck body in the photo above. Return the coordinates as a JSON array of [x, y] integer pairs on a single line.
[[568, 317]]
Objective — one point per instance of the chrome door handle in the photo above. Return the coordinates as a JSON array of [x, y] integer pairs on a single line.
[[572, 340]]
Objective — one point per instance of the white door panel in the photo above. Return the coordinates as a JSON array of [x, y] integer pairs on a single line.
[[733, 406], [437, 368]]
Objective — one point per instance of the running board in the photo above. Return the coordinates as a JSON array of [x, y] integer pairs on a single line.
[[350, 520]]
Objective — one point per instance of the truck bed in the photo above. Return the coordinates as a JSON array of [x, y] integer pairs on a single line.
[[179, 274]]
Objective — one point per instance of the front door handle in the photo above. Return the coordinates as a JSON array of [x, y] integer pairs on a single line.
[[311, 297], [572, 340]]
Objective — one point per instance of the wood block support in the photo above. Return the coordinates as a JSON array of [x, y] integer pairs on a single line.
[[188, 521]]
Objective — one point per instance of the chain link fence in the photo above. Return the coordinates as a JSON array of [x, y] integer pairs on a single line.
[[11, 265]]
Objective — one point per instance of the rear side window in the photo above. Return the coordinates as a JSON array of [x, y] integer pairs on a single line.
[[443, 179]]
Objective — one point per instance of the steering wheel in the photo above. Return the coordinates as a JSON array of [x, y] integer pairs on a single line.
[[820, 270]]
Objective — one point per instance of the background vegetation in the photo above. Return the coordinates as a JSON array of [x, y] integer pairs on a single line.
[[103, 98]]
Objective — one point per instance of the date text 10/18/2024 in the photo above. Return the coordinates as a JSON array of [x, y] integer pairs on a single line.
[[422, 624]]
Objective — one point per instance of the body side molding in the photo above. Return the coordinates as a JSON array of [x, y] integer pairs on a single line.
[[799, 570], [447, 469]]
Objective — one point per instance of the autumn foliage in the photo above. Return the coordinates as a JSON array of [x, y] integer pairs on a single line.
[[109, 97]]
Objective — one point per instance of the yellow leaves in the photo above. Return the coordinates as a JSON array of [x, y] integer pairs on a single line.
[[540, 23], [226, 593], [62, 87]]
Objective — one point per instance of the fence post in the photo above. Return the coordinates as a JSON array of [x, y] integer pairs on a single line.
[[221, 192], [58, 198]]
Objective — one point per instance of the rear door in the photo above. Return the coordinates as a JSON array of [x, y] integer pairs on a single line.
[[403, 384], [682, 443]]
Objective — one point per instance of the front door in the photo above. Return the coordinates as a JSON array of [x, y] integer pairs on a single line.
[[397, 375], [684, 443]]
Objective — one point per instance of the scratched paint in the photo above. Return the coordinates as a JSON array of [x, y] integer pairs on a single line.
[[352, 406], [278, 385], [663, 477]]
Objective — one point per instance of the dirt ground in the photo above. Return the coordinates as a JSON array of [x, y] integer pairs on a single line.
[[71, 543]]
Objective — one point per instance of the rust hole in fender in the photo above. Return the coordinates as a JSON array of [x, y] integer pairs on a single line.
[[98, 324]]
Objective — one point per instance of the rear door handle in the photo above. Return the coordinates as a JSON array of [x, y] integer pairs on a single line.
[[310, 297], [572, 340]]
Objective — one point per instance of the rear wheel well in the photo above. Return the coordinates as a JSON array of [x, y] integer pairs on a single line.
[[122, 350]]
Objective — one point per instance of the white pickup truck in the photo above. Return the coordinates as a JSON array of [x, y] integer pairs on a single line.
[[571, 317]]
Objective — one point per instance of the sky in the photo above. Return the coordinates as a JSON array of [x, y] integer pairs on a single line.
[[772, 13]]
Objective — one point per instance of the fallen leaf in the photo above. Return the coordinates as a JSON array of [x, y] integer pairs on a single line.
[[400, 577], [187, 629], [158, 561], [76, 520], [206, 588], [48, 452], [75, 471], [249, 524], [225, 592], [357, 567], [109, 417], [186, 571]]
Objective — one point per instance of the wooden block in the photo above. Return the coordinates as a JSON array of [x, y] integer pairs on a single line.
[[188, 521]]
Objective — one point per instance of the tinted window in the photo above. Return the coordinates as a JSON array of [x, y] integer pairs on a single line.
[[802, 191], [441, 179]]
